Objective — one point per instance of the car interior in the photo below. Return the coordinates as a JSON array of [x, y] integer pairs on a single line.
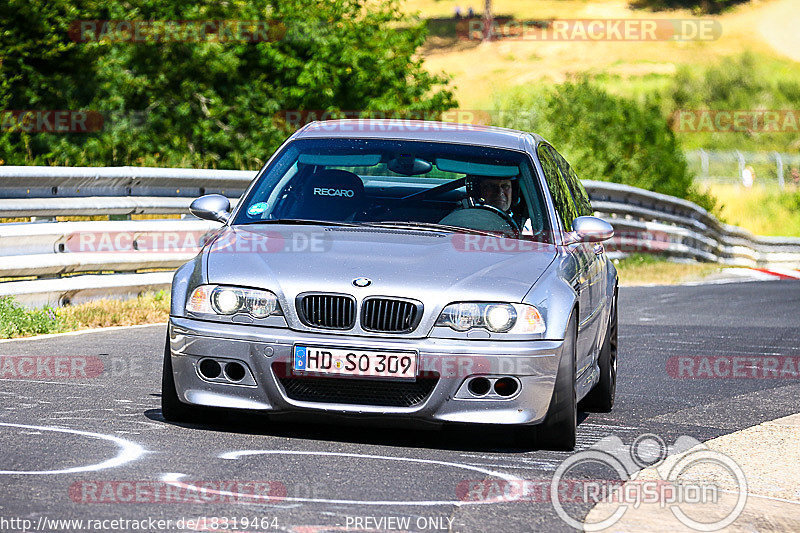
[[375, 188]]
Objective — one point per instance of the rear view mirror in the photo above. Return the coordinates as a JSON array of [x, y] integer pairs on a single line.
[[211, 207], [409, 165], [589, 229]]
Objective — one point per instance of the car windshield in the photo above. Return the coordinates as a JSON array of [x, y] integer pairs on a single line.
[[431, 186]]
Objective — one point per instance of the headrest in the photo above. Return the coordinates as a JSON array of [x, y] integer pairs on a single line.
[[334, 194], [336, 185]]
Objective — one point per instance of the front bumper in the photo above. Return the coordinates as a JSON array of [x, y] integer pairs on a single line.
[[262, 351]]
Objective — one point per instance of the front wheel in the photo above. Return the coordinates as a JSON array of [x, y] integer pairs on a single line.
[[560, 426], [601, 398]]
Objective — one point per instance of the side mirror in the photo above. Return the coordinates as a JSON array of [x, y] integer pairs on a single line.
[[211, 207], [589, 229]]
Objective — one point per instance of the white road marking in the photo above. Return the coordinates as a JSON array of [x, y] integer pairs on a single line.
[[128, 451], [66, 382]]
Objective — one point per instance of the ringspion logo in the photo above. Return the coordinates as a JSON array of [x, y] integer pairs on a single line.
[[689, 481]]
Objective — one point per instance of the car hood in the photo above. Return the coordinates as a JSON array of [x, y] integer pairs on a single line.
[[435, 268]]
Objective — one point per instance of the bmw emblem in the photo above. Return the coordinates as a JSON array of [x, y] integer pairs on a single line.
[[362, 282]]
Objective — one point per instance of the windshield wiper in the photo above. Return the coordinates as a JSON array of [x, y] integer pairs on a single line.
[[444, 228], [399, 224], [302, 222]]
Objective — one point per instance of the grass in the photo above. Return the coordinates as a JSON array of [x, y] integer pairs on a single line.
[[480, 70], [641, 269], [19, 321], [762, 210]]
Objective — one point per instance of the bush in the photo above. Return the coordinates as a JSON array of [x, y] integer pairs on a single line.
[[746, 82], [605, 137], [697, 6], [18, 321]]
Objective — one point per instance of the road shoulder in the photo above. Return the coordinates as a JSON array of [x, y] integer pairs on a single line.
[[767, 453]]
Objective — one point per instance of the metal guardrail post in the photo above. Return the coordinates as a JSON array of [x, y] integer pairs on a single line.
[[704, 163], [779, 169], [740, 159]]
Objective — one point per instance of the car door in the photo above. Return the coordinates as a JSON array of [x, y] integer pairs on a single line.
[[596, 253], [580, 255]]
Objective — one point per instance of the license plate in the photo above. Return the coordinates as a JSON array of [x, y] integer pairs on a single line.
[[362, 363]]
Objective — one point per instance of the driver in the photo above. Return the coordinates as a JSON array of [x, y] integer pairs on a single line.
[[495, 192], [498, 193]]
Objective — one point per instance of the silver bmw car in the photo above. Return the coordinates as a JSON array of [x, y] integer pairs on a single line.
[[403, 271]]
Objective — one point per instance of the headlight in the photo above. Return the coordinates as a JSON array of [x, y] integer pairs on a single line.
[[221, 300], [226, 300], [495, 317]]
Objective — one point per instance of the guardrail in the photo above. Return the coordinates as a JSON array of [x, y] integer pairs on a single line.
[[71, 191], [39, 263], [745, 168], [650, 222]]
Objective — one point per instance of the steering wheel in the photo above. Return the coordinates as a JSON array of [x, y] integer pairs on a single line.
[[502, 214]]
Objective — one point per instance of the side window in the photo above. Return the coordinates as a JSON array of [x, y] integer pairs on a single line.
[[562, 198], [575, 186]]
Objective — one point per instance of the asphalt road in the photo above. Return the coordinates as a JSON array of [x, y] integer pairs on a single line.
[[335, 478]]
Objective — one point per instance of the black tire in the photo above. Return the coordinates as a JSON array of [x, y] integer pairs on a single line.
[[559, 428], [601, 398], [172, 409]]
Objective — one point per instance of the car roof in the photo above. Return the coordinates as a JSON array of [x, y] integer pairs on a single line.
[[418, 130]]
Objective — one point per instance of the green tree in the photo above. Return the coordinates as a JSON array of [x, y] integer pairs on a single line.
[[217, 104], [605, 137]]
